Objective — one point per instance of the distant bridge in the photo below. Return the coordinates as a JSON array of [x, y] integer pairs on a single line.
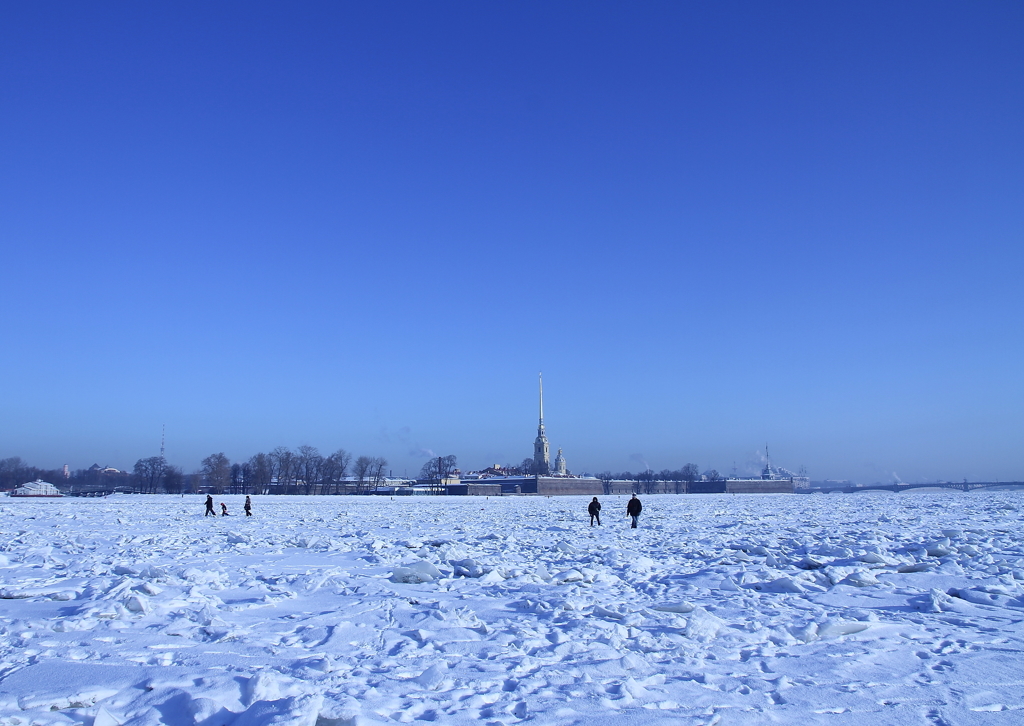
[[964, 486]]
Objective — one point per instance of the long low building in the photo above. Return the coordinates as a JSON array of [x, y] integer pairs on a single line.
[[742, 486], [535, 485], [577, 485]]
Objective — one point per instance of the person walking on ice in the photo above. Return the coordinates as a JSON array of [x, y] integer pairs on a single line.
[[247, 506], [209, 506], [594, 508], [223, 509], [633, 509]]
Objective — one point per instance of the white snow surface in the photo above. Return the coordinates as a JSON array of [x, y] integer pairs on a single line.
[[336, 611]]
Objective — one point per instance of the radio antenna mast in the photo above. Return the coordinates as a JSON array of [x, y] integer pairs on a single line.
[[163, 433]]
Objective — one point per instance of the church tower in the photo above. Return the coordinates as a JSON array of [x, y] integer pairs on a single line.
[[560, 467], [767, 472], [541, 448]]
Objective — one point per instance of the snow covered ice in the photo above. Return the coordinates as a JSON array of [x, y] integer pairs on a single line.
[[842, 609]]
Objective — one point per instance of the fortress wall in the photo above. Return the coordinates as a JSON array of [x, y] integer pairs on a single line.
[[759, 486], [553, 486], [706, 487]]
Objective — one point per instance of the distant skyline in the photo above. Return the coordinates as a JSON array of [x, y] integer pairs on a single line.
[[369, 226]]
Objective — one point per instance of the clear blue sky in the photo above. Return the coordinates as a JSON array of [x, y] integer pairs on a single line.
[[369, 226]]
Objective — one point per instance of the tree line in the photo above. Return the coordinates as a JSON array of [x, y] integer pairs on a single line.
[[284, 471], [280, 471], [648, 480]]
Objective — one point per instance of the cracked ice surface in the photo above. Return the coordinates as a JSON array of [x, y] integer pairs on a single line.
[[842, 609]]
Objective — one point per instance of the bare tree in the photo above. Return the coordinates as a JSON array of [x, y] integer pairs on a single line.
[[173, 479], [284, 468], [689, 474], [360, 470], [260, 473], [237, 478], [309, 465], [13, 471], [377, 467], [217, 470], [149, 473], [437, 470], [334, 469]]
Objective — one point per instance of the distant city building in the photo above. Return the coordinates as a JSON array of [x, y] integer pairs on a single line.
[[37, 488]]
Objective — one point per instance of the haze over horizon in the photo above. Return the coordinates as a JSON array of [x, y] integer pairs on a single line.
[[370, 226]]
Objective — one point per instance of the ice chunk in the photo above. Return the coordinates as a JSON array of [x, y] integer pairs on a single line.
[[264, 686], [421, 571], [916, 567], [983, 597], [859, 578], [642, 564], [103, 718], [939, 548], [432, 676], [783, 584], [568, 576], [834, 628], [836, 551], [153, 572], [293, 711], [603, 612], [806, 633], [137, 604], [674, 607], [934, 601], [467, 568], [811, 563], [324, 663], [702, 625]]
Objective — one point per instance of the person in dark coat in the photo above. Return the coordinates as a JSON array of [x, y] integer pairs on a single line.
[[209, 506], [595, 512], [247, 507], [633, 509], [223, 509]]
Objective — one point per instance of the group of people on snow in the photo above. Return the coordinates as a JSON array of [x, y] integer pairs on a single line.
[[633, 509], [224, 507]]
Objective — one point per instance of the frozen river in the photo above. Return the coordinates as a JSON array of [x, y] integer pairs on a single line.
[[843, 609]]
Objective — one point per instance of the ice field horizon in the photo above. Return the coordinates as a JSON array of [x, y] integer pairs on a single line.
[[334, 611]]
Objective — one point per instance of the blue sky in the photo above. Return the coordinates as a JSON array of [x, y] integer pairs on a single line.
[[369, 226]]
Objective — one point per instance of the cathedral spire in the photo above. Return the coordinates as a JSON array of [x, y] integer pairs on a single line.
[[541, 447], [540, 379]]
